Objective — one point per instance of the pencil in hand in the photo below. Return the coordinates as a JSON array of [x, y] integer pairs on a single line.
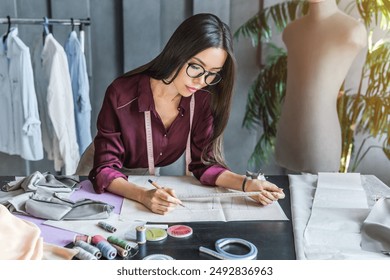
[[154, 184]]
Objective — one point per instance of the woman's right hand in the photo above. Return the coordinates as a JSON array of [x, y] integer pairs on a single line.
[[160, 201]]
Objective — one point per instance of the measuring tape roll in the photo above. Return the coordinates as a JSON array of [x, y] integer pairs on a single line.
[[158, 257], [220, 253]]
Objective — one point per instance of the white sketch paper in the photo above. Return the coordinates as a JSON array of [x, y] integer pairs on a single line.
[[196, 210]]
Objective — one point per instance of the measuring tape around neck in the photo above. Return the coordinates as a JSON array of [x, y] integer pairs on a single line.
[[220, 253], [149, 139], [149, 142]]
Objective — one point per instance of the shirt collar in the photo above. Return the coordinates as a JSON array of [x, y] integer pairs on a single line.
[[12, 33]]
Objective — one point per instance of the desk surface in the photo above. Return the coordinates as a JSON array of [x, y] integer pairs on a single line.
[[273, 239]]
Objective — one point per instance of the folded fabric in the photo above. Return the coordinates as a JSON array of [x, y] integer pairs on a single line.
[[60, 208], [59, 183], [302, 190], [47, 196], [21, 240], [325, 226], [376, 228], [54, 252]]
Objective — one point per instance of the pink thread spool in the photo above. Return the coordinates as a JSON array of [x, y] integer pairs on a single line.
[[108, 251], [82, 237]]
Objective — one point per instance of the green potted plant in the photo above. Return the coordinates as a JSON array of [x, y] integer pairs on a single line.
[[366, 110]]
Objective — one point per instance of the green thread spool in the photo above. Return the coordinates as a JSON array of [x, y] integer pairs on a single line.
[[120, 242]]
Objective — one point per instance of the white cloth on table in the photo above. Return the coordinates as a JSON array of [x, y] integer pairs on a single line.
[[325, 229], [376, 228]]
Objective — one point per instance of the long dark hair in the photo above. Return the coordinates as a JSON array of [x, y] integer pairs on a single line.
[[195, 34]]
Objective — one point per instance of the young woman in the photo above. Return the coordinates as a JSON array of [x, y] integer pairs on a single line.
[[179, 101]]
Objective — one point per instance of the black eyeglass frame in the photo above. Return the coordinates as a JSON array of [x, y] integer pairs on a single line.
[[217, 76]]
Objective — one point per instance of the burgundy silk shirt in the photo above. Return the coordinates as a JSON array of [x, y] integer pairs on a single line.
[[121, 138]]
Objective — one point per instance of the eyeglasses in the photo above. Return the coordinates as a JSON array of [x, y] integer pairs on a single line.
[[195, 71]]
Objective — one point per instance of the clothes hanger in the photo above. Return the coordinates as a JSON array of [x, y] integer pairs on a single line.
[[8, 30], [81, 36], [46, 30], [72, 23]]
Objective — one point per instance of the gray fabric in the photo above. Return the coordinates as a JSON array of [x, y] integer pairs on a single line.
[[58, 208], [376, 227], [6, 196], [47, 196], [46, 180]]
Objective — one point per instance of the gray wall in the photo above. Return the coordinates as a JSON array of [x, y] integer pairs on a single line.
[[127, 33]]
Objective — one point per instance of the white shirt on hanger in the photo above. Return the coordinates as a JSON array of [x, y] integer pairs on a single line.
[[20, 126], [65, 150]]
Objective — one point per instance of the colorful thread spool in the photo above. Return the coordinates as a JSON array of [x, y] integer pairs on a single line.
[[141, 234], [83, 254], [120, 242], [121, 251], [107, 227], [108, 251], [89, 248], [83, 237]]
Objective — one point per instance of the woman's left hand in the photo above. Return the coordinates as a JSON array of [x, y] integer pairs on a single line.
[[269, 192]]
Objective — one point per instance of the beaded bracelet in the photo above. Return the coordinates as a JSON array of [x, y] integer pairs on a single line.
[[243, 184]]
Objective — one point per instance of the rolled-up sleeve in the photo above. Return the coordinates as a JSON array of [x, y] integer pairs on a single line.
[[109, 148], [202, 132]]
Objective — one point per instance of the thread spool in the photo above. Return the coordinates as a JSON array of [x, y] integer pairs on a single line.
[[108, 251], [120, 242], [83, 237], [141, 234], [83, 254], [121, 251], [107, 227], [89, 248]]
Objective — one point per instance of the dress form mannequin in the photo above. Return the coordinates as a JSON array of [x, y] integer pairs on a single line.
[[321, 47]]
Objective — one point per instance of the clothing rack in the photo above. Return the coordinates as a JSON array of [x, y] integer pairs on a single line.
[[45, 22], [49, 21]]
